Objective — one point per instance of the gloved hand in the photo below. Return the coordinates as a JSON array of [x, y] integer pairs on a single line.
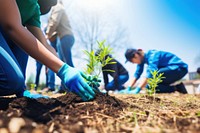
[[92, 81], [126, 91], [135, 91], [28, 94], [73, 80], [129, 88]]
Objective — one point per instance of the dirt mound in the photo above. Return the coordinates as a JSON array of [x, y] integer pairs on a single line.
[[119, 113], [65, 113]]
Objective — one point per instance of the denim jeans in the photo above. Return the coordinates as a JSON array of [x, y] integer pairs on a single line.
[[66, 43], [171, 76], [38, 71], [50, 73], [63, 48], [13, 62], [121, 80]]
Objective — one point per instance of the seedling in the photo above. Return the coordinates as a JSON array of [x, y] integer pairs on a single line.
[[154, 81], [96, 61], [198, 114]]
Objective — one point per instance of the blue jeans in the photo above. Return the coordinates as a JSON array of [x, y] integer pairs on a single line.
[[13, 62], [171, 76], [63, 48], [50, 73], [66, 43], [38, 71], [121, 80]]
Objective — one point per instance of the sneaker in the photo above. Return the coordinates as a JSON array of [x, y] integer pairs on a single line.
[[51, 89], [125, 91], [181, 88], [60, 90], [103, 91], [47, 89]]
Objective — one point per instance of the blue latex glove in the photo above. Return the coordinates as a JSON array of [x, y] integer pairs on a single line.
[[92, 81], [73, 80], [126, 91], [135, 91], [28, 94]]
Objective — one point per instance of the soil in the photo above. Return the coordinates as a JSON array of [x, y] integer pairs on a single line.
[[105, 114]]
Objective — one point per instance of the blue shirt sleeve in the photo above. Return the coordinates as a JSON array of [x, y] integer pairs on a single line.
[[152, 64], [139, 71]]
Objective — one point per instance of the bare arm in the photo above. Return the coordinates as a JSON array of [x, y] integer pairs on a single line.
[[37, 32], [10, 20], [143, 83], [133, 81]]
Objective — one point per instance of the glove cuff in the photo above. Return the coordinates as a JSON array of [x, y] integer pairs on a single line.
[[62, 71], [138, 89]]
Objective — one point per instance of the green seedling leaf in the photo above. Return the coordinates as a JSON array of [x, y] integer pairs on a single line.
[[95, 63]]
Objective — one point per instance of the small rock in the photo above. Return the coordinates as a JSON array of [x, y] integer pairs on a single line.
[[15, 124], [3, 130], [1, 123]]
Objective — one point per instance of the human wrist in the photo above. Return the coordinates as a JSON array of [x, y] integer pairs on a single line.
[[62, 70], [138, 88]]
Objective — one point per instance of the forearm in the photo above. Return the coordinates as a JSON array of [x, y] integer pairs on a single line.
[[143, 83], [24, 39], [40, 36], [133, 82], [10, 21]]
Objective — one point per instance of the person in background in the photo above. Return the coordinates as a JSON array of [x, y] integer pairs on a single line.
[[45, 7], [198, 88], [198, 70], [168, 63], [20, 36], [38, 71], [59, 24], [50, 75]]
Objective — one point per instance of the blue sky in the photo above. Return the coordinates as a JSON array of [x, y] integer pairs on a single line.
[[169, 25]]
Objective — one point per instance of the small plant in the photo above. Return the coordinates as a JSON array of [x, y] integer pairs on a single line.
[[154, 81], [96, 61], [30, 82], [198, 114]]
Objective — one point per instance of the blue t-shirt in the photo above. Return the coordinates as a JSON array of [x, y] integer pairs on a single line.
[[158, 59], [30, 12]]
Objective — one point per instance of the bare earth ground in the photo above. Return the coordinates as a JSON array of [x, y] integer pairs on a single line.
[[168, 113]]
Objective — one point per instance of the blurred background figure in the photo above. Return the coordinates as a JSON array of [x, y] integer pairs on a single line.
[[59, 27], [38, 71], [168, 63], [117, 72], [59, 23], [198, 88]]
